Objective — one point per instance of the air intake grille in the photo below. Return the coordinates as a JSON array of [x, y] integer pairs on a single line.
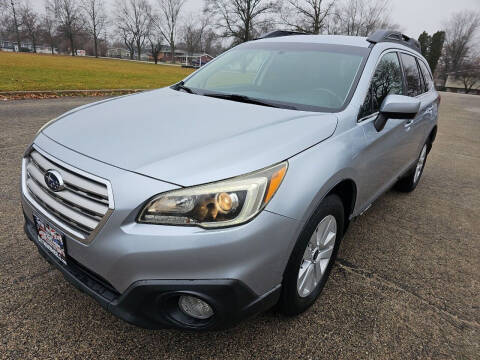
[[83, 204]]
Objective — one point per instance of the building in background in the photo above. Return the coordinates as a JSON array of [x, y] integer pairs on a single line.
[[456, 85], [11, 46], [119, 53], [181, 56], [184, 58]]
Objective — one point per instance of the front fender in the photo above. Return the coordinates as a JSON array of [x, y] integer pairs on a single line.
[[310, 177]]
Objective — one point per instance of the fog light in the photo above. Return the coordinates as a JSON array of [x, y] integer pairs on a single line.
[[195, 307]]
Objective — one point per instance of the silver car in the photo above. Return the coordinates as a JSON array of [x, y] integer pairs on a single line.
[[196, 205]]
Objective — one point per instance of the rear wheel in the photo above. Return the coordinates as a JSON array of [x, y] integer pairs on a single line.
[[411, 180], [313, 257]]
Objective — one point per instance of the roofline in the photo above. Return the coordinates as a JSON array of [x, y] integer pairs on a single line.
[[279, 33]]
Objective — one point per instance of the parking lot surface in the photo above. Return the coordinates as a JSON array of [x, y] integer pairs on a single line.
[[406, 284]]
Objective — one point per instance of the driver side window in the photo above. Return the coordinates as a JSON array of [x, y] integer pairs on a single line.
[[386, 80]]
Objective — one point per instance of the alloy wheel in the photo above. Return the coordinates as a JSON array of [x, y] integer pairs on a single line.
[[420, 164], [317, 256]]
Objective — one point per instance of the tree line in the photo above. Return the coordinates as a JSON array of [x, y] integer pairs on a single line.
[[146, 26], [454, 52]]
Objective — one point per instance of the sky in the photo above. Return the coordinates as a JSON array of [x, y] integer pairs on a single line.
[[414, 16]]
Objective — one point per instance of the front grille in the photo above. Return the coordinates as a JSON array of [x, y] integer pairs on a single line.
[[82, 206]]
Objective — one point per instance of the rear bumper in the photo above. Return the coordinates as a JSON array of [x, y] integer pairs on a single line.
[[153, 303]]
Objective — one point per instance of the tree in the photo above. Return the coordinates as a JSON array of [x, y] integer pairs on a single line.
[[31, 24], [169, 12], [307, 15], [424, 39], [129, 41], [70, 19], [469, 73], [361, 18], [155, 38], [134, 22], [210, 45], [192, 35], [436, 47], [241, 20], [49, 29], [431, 47], [13, 7], [96, 19], [459, 34]]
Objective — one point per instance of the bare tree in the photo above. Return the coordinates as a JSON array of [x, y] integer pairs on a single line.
[[307, 16], [49, 28], [469, 73], [155, 40], [129, 41], [96, 19], [70, 19], [192, 35], [210, 45], [31, 24], [13, 7], [460, 32], [3, 18], [134, 21], [361, 17], [169, 12], [241, 20]]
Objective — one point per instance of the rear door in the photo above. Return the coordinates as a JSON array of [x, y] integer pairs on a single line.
[[431, 97], [416, 87]]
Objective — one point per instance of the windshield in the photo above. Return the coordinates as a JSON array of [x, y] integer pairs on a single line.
[[313, 77]]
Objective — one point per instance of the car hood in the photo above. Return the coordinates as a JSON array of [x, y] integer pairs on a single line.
[[188, 139]]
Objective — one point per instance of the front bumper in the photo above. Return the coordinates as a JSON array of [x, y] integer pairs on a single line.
[[132, 269], [152, 304]]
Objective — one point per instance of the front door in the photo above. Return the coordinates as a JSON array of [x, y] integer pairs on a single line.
[[385, 153]]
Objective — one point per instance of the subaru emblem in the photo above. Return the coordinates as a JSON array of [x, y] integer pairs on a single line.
[[54, 180]]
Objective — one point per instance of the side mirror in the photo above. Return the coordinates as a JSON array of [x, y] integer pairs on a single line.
[[396, 107]]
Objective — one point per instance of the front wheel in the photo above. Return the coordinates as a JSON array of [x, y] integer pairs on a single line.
[[411, 180], [313, 257]]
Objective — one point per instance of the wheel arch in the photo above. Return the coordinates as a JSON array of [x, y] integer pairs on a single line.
[[346, 190], [431, 138]]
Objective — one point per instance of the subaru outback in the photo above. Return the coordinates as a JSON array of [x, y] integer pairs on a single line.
[[228, 193]]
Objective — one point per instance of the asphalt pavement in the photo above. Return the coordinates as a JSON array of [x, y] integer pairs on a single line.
[[406, 284]]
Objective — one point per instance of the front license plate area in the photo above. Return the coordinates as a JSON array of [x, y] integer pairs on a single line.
[[51, 239]]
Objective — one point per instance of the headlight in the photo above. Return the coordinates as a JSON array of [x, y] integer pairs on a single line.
[[225, 203]]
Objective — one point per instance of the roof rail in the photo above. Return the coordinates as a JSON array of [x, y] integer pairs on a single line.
[[278, 33], [393, 36]]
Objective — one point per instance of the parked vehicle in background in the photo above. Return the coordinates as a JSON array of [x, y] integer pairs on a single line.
[[235, 196]]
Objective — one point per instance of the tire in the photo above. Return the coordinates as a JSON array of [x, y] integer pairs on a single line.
[[295, 299], [409, 182]]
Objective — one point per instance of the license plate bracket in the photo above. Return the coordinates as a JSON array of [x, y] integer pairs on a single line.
[[51, 239]]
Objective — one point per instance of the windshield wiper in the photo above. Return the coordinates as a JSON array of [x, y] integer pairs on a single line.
[[248, 100], [181, 86]]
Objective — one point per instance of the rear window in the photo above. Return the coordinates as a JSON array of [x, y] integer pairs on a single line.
[[429, 85], [412, 75]]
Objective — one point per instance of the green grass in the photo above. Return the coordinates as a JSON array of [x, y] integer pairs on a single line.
[[23, 72]]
